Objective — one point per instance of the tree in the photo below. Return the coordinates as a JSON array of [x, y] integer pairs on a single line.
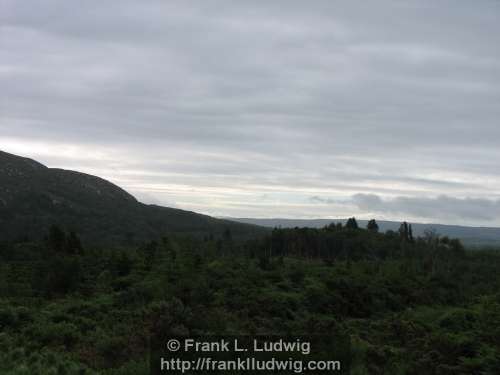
[[372, 226], [59, 275], [4, 271], [123, 264], [410, 234], [73, 244], [150, 251], [227, 235], [331, 227], [404, 232], [352, 223], [431, 237], [56, 239]]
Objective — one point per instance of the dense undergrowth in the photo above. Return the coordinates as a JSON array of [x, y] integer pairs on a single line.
[[411, 306]]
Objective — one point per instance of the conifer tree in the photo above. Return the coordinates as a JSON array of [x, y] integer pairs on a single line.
[[351, 223], [372, 226]]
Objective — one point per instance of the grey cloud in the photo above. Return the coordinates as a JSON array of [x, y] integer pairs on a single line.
[[317, 199], [442, 207], [322, 98]]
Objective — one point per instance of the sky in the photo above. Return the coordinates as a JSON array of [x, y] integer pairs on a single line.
[[292, 109]]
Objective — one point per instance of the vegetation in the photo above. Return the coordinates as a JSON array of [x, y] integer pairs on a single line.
[[410, 305]]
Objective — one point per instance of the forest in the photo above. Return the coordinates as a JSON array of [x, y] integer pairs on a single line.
[[423, 305]]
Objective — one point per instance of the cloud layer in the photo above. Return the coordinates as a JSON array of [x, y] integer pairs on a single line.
[[442, 207], [250, 109]]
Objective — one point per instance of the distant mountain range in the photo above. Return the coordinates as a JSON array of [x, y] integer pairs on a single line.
[[470, 236], [33, 197]]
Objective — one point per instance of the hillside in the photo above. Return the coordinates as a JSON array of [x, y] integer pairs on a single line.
[[470, 236], [33, 197]]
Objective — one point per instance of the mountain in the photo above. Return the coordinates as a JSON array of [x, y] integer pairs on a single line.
[[470, 236], [33, 197]]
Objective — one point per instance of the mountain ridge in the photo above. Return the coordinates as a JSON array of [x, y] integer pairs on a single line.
[[33, 197]]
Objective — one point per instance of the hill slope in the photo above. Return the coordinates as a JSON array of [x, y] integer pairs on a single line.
[[470, 236], [33, 197]]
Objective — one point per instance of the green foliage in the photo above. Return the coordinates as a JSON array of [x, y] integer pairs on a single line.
[[410, 307]]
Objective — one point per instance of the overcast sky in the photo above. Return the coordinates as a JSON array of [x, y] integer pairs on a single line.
[[300, 109]]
